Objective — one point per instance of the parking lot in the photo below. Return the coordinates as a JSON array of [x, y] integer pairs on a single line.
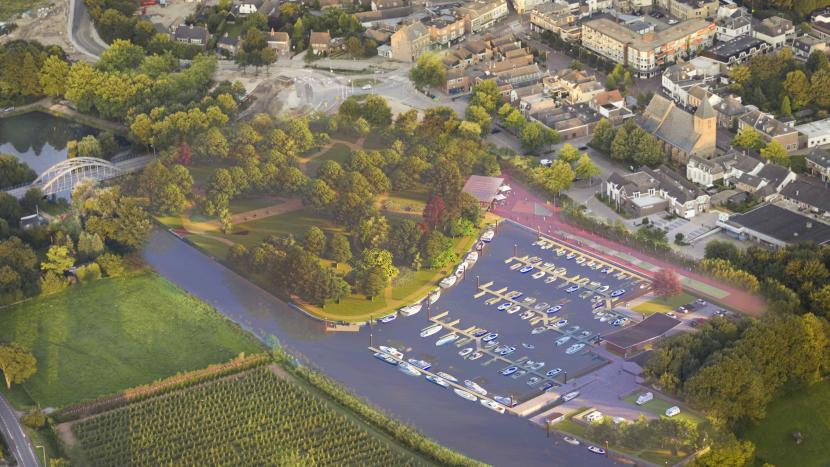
[[520, 321]]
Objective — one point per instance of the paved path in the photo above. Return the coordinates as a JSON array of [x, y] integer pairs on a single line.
[[522, 206], [13, 433], [82, 33], [205, 228]]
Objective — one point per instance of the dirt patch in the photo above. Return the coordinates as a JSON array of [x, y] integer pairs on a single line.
[[66, 434], [266, 96], [49, 29]]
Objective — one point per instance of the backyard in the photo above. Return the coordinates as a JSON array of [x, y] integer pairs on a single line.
[[806, 411], [97, 339]]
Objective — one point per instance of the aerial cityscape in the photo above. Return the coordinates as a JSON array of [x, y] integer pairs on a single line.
[[405, 232]]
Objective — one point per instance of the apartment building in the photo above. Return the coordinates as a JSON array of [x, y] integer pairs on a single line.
[[523, 6], [482, 14], [775, 31], [410, 41], [689, 9], [646, 53], [445, 30]]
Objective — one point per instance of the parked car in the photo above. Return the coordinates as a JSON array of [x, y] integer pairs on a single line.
[[672, 411]]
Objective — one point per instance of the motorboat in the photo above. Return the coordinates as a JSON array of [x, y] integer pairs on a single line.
[[547, 385], [518, 374], [571, 256], [529, 300], [527, 315], [386, 358], [408, 369], [480, 333], [581, 260], [471, 257], [490, 345], [431, 330], [438, 380], [617, 292], [494, 406], [504, 306], [447, 376], [561, 252], [388, 318], [535, 260], [492, 301], [473, 386], [553, 372], [434, 296], [541, 306], [560, 323], [538, 330], [391, 351], [479, 246], [538, 275], [420, 364], [572, 288], [574, 348], [560, 271], [411, 309], [465, 394], [509, 370], [475, 356], [500, 349], [505, 401], [460, 269], [490, 337], [536, 366], [548, 265], [562, 341], [570, 396], [488, 236], [546, 246], [446, 339], [526, 269], [550, 279], [553, 309], [513, 309], [448, 282], [533, 380], [528, 346], [513, 295], [465, 352], [507, 351]]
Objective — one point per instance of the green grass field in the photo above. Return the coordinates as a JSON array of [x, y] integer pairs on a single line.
[[658, 407], [807, 411], [296, 223], [97, 339], [339, 153], [660, 305], [241, 205]]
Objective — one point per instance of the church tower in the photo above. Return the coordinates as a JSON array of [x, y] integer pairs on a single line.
[[706, 124]]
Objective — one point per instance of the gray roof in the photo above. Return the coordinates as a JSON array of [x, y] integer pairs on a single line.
[[766, 123], [483, 188], [782, 224], [809, 191], [747, 164], [650, 328], [670, 123], [674, 184], [184, 31], [819, 157], [774, 174]]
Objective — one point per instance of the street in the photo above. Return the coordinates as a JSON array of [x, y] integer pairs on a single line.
[[14, 436], [82, 33]]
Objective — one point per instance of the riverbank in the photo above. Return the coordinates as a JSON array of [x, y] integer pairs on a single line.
[[46, 105]]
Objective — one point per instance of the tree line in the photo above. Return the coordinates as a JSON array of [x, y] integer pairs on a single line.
[[628, 143]]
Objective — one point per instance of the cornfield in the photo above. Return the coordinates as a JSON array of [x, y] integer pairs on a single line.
[[253, 418]]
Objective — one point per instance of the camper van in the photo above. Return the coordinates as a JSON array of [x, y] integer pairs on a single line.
[[672, 411], [645, 397]]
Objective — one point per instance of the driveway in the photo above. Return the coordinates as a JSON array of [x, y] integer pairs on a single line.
[[16, 439]]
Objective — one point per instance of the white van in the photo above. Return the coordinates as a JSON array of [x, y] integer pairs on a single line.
[[594, 417], [672, 411], [645, 397]]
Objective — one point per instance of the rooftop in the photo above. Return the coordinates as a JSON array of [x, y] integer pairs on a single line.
[[815, 129], [783, 225], [648, 329], [733, 47], [484, 189], [819, 157], [809, 191], [648, 41]]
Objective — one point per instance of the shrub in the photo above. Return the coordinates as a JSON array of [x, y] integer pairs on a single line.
[[52, 282], [88, 273], [35, 419], [111, 265]]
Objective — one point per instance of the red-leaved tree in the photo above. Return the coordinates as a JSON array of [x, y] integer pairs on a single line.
[[185, 156], [434, 211], [666, 283]]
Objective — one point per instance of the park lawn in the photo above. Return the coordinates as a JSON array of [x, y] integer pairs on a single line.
[[295, 223], [338, 152], [211, 246], [97, 339], [658, 407], [806, 411], [376, 141], [241, 205], [663, 305], [202, 171], [404, 203]]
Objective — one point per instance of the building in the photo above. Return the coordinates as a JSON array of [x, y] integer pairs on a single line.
[[379, 5], [649, 53], [729, 110], [484, 189], [650, 191], [775, 31], [573, 86], [632, 339], [446, 29], [723, 168], [196, 35], [457, 82], [410, 41], [481, 15], [774, 226], [805, 45], [520, 75], [689, 9], [570, 121], [737, 51], [814, 133], [611, 106], [820, 25], [32, 221], [244, 8], [738, 23], [770, 128], [523, 6], [808, 194], [320, 42], [818, 162], [385, 51], [228, 43], [279, 41], [679, 78], [683, 135]]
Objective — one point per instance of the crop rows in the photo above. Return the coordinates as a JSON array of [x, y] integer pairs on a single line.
[[254, 419]]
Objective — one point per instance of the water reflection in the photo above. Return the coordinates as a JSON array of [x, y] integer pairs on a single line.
[[39, 139]]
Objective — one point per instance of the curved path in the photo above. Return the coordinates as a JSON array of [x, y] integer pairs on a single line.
[[82, 32], [13, 433]]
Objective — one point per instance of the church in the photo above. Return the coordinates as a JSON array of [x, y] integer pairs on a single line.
[[682, 134]]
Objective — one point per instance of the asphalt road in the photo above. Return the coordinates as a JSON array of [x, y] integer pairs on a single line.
[[13, 434], [82, 33]]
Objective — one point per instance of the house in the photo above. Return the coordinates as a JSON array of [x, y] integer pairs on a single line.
[[805, 45], [683, 135], [457, 82], [320, 42], [729, 110], [677, 79], [610, 105], [519, 75], [770, 128], [738, 50], [654, 190], [689, 9], [523, 6], [815, 133], [378, 5], [191, 34], [410, 41], [774, 226], [723, 168], [228, 43], [242, 8], [775, 31], [736, 24], [279, 41], [808, 194], [820, 25], [385, 51], [570, 121], [573, 86], [445, 29], [479, 15], [818, 162], [768, 181]]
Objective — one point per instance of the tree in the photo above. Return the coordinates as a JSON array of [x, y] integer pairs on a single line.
[[785, 106], [748, 138], [558, 177], [479, 115], [373, 284], [404, 241], [604, 134], [17, 364], [486, 95], [717, 249], [730, 454], [434, 212], [666, 283], [776, 152], [90, 246], [372, 232], [53, 75], [569, 154], [376, 111], [619, 145], [376, 259], [58, 259], [820, 87], [428, 71], [798, 88], [817, 61], [535, 136], [89, 146], [315, 241], [339, 249], [438, 250], [121, 55], [586, 169]]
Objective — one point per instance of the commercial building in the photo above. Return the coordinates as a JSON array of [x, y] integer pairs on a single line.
[[523, 6], [410, 41], [737, 50], [689, 9], [632, 339], [815, 133], [646, 53], [551, 17], [774, 226], [480, 15], [446, 29], [736, 24], [683, 135]]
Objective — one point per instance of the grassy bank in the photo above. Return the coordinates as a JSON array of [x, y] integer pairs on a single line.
[[113, 334]]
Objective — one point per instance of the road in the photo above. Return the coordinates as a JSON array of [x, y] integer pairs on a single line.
[[14, 436], [82, 33]]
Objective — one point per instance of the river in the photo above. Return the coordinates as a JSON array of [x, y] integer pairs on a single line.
[[466, 427]]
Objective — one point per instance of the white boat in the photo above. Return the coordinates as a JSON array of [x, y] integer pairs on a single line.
[[472, 257], [538, 330], [385, 358], [550, 279], [431, 330], [473, 386], [438, 380], [420, 364], [562, 340], [388, 318], [527, 315], [408, 369], [494, 406], [465, 352], [476, 356], [538, 275], [574, 348], [434, 296], [448, 282], [447, 376], [446, 339], [465, 395], [488, 236], [410, 310], [391, 351]]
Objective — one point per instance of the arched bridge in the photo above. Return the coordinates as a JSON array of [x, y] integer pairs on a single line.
[[66, 175]]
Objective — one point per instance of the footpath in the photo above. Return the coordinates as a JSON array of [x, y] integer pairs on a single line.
[[529, 210]]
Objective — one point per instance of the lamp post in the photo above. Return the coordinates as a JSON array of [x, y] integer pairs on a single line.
[[43, 449]]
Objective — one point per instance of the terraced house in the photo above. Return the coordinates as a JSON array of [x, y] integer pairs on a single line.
[[647, 54]]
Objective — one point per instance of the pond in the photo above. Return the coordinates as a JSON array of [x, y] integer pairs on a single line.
[[40, 139]]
